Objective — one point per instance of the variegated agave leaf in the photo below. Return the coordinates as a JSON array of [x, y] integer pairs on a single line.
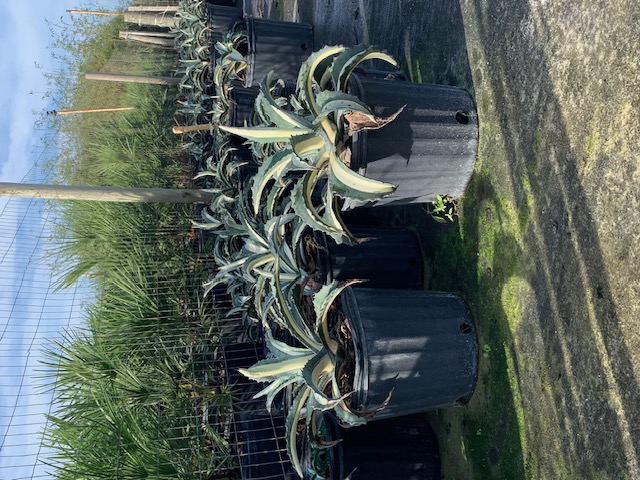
[[306, 76], [293, 419], [347, 183], [265, 134], [347, 61], [273, 112]]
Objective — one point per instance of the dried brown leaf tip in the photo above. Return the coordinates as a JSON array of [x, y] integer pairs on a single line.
[[345, 156], [362, 121]]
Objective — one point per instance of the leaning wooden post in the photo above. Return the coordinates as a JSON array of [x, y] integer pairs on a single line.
[[167, 20], [91, 110], [120, 77], [153, 8], [149, 40], [105, 194], [147, 34], [180, 129], [153, 19], [93, 12]]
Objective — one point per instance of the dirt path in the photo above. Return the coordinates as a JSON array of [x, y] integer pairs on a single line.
[[548, 244]]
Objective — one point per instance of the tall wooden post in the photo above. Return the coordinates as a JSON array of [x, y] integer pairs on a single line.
[[91, 110], [152, 19], [142, 33], [105, 194], [119, 77], [153, 8], [150, 40]]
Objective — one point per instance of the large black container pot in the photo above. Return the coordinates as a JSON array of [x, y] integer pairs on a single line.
[[389, 258], [220, 19], [279, 46], [241, 113], [260, 441], [420, 345], [242, 104], [405, 448], [226, 3], [427, 150]]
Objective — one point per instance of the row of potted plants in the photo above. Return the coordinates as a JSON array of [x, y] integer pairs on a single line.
[[337, 140], [302, 145]]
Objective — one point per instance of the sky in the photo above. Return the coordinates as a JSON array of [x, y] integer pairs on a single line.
[[25, 39], [30, 311]]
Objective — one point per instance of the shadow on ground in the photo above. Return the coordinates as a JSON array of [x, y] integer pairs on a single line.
[[574, 371]]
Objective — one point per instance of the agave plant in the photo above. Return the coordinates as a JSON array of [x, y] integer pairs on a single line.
[[231, 63], [308, 138], [312, 371], [191, 32]]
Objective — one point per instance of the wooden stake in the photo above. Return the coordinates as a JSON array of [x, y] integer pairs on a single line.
[[163, 42], [180, 129], [105, 194], [119, 77], [155, 19], [147, 34], [153, 8], [93, 12], [93, 110], [151, 19]]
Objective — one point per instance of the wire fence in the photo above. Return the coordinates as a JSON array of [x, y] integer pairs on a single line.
[[95, 382], [113, 364]]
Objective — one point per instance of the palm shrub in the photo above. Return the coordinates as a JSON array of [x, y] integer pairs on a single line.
[[125, 416]]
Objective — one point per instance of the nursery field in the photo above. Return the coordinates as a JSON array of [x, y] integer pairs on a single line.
[[542, 246], [545, 248]]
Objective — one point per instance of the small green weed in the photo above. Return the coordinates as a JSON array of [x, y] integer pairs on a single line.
[[443, 208]]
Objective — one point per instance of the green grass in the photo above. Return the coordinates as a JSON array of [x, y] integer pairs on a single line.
[[137, 392], [480, 258]]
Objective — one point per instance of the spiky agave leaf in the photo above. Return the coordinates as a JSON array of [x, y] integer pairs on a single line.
[[347, 183], [273, 167], [304, 85], [293, 419], [265, 134], [271, 369], [289, 311], [272, 112], [347, 61]]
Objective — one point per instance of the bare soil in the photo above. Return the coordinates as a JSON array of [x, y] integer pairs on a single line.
[[547, 247]]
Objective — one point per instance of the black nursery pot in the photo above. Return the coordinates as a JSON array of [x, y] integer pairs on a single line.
[[404, 447], [420, 345], [429, 149], [226, 3], [279, 46], [221, 18], [389, 258], [242, 107], [262, 448], [241, 111]]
